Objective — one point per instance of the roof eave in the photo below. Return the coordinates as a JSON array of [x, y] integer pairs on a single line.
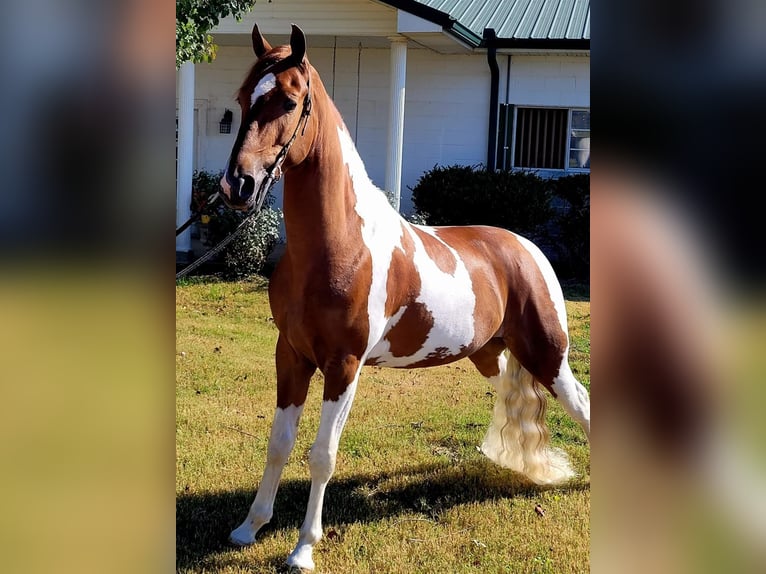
[[464, 34], [447, 22]]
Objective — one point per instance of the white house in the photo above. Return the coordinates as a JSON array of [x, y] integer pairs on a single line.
[[504, 83]]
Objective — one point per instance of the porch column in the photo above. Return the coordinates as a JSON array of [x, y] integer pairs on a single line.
[[185, 163], [396, 118]]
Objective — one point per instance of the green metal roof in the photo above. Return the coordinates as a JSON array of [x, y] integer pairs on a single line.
[[548, 23]]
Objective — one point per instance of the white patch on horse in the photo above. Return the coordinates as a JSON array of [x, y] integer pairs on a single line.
[[554, 288], [381, 233], [449, 298], [267, 83]]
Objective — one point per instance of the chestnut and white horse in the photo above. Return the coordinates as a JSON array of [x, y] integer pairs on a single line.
[[358, 285]]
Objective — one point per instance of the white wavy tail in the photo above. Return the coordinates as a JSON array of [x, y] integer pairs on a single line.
[[518, 436]]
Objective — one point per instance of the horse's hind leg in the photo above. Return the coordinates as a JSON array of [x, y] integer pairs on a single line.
[[572, 396], [517, 437], [293, 376]]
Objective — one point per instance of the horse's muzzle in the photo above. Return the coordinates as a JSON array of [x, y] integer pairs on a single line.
[[238, 191], [245, 193], [246, 187]]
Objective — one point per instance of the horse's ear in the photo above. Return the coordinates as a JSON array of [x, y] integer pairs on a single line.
[[297, 45], [260, 45]]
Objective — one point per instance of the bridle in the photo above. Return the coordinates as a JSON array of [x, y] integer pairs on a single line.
[[273, 175], [274, 171]]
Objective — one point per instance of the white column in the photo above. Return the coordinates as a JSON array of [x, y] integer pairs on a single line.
[[396, 118], [185, 164]]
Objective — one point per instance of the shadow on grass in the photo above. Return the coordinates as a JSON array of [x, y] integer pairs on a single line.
[[203, 521]]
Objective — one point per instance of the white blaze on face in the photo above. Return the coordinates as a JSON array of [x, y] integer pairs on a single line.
[[267, 83], [449, 298]]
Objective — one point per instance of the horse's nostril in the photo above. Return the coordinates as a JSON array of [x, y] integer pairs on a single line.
[[246, 187]]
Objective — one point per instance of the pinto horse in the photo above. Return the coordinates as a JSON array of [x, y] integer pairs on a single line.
[[358, 285]]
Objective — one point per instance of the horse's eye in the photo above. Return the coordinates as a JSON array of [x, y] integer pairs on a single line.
[[290, 105]]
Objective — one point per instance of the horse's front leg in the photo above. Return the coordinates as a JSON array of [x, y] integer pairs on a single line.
[[339, 388], [293, 376]]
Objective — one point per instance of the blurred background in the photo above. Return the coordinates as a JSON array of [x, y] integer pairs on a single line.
[[87, 292], [678, 276]]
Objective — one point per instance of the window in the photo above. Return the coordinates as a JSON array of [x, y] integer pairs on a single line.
[[543, 138], [579, 140]]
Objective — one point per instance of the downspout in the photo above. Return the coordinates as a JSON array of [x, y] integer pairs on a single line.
[[494, 90]]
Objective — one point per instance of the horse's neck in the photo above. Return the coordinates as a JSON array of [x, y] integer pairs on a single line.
[[328, 194]]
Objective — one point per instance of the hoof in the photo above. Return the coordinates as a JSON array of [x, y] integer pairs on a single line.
[[300, 560], [242, 536]]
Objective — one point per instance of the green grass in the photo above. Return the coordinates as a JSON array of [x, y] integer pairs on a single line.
[[410, 493]]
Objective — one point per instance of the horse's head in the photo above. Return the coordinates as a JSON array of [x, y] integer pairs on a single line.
[[276, 104]]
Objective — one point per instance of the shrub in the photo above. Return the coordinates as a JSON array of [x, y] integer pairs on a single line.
[[470, 195], [247, 254], [574, 223]]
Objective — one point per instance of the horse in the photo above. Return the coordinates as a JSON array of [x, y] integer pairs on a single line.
[[359, 285]]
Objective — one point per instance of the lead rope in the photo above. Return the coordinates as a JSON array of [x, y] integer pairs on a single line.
[[226, 240], [209, 201]]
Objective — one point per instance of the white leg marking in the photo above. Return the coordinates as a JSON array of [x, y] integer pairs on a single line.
[[573, 396], [265, 85], [322, 464], [281, 442]]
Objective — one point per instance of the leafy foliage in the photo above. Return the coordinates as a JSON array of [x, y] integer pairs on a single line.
[[574, 222], [247, 254], [195, 19]]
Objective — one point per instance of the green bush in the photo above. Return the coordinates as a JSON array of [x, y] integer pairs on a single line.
[[573, 223], [470, 195], [247, 253]]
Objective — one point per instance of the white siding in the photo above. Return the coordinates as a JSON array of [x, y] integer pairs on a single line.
[[328, 17], [559, 81], [446, 115], [447, 102]]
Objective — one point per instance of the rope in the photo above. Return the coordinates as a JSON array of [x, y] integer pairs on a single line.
[[210, 201], [223, 243]]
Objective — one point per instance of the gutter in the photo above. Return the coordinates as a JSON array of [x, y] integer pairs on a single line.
[[542, 44], [447, 22], [490, 39]]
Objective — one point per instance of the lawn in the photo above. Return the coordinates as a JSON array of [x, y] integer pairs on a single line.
[[411, 492]]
